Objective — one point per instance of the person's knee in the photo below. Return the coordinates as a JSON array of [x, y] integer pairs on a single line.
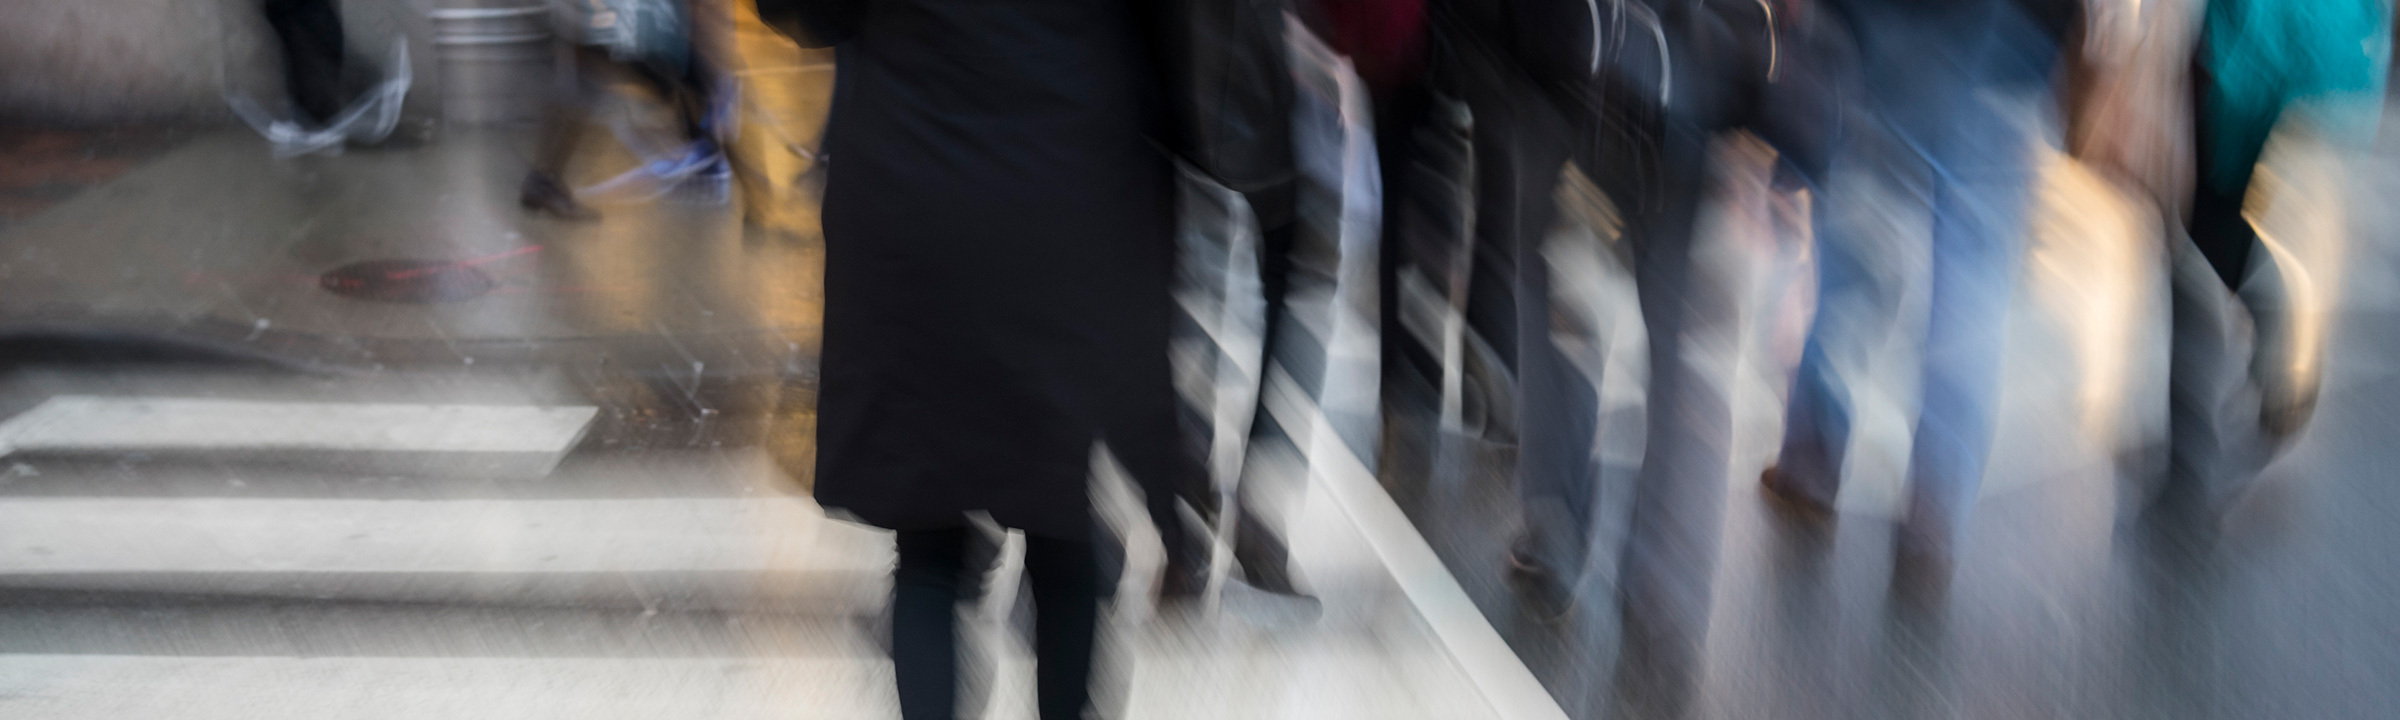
[[1066, 565], [931, 558]]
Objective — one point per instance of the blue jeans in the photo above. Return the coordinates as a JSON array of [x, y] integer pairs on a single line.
[[1949, 94]]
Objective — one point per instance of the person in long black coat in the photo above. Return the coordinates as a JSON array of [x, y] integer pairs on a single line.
[[998, 233]]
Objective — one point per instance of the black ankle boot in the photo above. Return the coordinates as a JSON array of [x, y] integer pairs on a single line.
[[544, 194]]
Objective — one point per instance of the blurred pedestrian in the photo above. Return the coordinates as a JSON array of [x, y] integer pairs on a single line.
[[1956, 90], [1670, 78], [2240, 387], [997, 247], [1230, 93], [664, 46]]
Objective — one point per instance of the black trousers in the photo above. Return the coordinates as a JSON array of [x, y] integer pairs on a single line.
[[1164, 444], [933, 576], [567, 118], [2217, 226], [310, 32]]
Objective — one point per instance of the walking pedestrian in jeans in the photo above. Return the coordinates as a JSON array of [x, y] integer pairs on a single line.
[[1951, 86]]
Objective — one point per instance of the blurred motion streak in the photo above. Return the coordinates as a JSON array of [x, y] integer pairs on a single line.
[[1012, 359]]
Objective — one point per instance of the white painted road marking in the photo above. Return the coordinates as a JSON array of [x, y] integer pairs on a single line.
[[220, 535], [1506, 683], [89, 423]]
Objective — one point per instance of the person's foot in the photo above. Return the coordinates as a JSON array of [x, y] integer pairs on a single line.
[[2287, 390], [1523, 561], [1278, 598], [544, 194], [1545, 595], [1181, 582], [1790, 499], [1272, 577], [1925, 547], [1264, 560], [1921, 574]]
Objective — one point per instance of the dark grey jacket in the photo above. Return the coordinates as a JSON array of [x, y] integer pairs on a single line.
[[997, 239]]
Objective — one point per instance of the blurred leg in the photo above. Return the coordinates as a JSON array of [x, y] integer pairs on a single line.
[[1165, 458], [2234, 397], [1186, 548], [1494, 97], [1410, 151], [310, 32], [563, 122], [1066, 601], [1812, 118], [2213, 409], [1558, 419], [684, 89], [1959, 89], [2229, 144], [1558, 407], [925, 592], [1856, 298], [563, 125], [1299, 254], [1521, 139], [1816, 427], [1980, 195], [1258, 543], [1670, 554]]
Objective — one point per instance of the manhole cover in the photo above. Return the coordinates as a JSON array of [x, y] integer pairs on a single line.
[[407, 281]]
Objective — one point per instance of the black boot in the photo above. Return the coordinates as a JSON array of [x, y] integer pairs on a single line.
[[544, 194], [1265, 562]]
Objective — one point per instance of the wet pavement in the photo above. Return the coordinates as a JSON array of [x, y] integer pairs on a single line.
[[48, 165]]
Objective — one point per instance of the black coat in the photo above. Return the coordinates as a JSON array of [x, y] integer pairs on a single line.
[[997, 245]]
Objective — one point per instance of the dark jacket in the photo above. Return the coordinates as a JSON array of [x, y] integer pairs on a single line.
[[997, 240]]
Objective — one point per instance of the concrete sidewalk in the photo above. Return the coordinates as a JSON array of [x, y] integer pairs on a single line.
[[217, 241], [197, 234]]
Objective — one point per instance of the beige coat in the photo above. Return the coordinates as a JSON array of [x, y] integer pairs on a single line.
[[2129, 103]]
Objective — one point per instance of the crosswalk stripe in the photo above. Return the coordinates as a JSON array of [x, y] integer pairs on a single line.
[[95, 423], [1329, 680], [103, 686], [220, 535]]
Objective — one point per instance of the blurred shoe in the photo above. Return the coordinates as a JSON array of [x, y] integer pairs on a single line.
[[1181, 582], [1920, 588], [1924, 559], [1925, 547], [1544, 594], [1265, 609], [1273, 577], [544, 194], [1522, 560], [1266, 568], [1791, 498], [2287, 390], [1264, 560]]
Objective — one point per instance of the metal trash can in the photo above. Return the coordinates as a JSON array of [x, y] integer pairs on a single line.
[[497, 63]]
